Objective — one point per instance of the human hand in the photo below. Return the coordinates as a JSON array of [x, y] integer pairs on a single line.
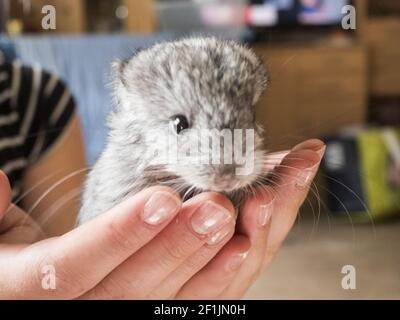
[[147, 246], [265, 219]]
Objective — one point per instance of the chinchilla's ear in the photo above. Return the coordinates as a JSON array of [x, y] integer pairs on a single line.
[[262, 80], [117, 71], [118, 68]]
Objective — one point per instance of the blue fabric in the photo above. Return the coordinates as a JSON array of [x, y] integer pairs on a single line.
[[7, 48], [84, 63]]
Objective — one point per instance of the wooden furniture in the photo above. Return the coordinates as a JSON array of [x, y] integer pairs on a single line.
[[380, 33], [313, 91], [141, 16], [72, 16]]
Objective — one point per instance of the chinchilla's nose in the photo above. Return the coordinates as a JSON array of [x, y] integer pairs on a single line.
[[226, 170], [222, 170], [224, 179]]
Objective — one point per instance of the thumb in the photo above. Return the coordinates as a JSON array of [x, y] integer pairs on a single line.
[[5, 194]]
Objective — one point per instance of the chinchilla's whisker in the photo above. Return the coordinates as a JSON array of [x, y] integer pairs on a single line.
[[187, 193], [321, 204], [58, 204], [55, 185], [287, 157], [316, 194], [34, 187], [317, 215], [362, 174], [51, 188], [253, 190], [260, 186], [346, 211], [263, 181], [288, 167], [269, 188], [313, 215], [358, 199], [275, 177]]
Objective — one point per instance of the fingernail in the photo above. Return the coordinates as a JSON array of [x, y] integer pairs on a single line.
[[220, 235], [305, 176], [314, 145], [237, 261], [321, 151], [264, 214], [210, 217], [160, 207]]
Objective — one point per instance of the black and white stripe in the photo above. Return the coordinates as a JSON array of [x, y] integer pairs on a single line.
[[35, 107]]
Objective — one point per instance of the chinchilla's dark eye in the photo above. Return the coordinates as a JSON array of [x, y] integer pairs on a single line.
[[180, 123]]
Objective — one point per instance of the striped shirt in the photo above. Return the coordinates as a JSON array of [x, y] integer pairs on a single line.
[[35, 107]]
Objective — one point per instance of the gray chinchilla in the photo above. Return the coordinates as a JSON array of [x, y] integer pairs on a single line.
[[178, 89]]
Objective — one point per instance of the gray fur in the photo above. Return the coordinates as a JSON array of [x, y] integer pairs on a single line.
[[214, 83]]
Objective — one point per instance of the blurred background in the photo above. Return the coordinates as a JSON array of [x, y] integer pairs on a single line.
[[335, 75]]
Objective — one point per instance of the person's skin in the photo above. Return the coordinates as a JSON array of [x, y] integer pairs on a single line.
[[52, 185], [129, 253]]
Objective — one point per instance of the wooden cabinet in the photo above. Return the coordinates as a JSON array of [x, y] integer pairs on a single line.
[[379, 30], [313, 92], [72, 15], [382, 36], [141, 16]]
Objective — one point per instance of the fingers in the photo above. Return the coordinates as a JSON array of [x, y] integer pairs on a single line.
[[170, 286], [212, 280], [207, 219], [274, 159], [267, 217], [311, 144], [254, 223], [293, 177], [84, 256], [5, 194]]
